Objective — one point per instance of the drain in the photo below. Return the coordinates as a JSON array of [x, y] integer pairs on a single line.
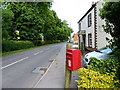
[[43, 69], [51, 61], [40, 70]]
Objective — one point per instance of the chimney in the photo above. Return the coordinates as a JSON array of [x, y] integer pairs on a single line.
[[93, 2]]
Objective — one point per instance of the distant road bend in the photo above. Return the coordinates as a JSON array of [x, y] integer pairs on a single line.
[[22, 70]]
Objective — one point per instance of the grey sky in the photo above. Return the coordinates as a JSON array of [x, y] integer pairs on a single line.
[[72, 10]]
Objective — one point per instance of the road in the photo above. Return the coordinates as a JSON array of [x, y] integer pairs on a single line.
[[23, 70]]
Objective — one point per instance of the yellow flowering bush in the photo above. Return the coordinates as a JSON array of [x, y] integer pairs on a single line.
[[94, 79]]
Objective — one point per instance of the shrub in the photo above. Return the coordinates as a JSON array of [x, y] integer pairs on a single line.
[[56, 41], [104, 66], [94, 79], [10, 45], [7, 45], [44, 42], [37, 42], [49, 42]]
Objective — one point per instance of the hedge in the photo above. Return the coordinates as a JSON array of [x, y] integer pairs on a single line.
[[95, 80], [11, 45], [99, 74], [40, 42]]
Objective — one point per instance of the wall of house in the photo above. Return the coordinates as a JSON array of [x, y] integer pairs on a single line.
[[101, 34], [84, 26]]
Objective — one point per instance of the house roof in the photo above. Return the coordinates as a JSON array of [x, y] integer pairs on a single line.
[[88, 11]]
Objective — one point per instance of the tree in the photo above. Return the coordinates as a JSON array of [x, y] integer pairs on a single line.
[[55, 29], [111, 14], [7, 16], [32, 19], [28, 18]]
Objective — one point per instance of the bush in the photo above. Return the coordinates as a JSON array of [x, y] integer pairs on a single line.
[[100, 74], [94, 79], [49, 42], [56, 41], [10, 45], [37, 42], [104, 66]]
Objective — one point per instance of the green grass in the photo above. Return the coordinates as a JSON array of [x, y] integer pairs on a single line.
[[22, 50]]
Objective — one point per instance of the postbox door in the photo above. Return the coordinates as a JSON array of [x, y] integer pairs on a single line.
[[69, 63], [69, 60]]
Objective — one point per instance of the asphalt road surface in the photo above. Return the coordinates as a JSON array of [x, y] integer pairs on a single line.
[[23, 70]]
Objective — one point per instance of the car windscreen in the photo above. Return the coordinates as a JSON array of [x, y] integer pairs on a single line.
[[106, 51]]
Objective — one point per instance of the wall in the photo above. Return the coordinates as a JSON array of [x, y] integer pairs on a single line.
[[84, 26], [101, 34]]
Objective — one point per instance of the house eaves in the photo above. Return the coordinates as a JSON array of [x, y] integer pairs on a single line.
[[87, 12]]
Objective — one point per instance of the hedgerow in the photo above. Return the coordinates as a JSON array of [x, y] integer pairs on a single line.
[[11, 45]]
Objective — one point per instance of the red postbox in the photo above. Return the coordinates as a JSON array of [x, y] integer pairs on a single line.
[[73, 59]]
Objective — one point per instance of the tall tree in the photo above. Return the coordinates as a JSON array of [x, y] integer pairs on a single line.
[[32, 19], [7, 16], [111, 14], [28, 18]]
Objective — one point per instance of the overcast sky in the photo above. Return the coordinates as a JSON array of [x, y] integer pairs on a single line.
[[72, 10]]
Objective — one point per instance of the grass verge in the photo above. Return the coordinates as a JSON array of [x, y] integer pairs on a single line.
[[68, 73]]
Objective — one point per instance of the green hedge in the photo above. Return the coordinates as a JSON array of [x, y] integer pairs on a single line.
[[10, 45], [38, 42], [54, 41]]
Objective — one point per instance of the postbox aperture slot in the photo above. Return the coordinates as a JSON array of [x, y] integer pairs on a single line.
[[69, 53]]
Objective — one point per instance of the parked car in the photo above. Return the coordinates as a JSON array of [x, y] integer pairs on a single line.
[[99, 54], [70, 41], [75, 47]]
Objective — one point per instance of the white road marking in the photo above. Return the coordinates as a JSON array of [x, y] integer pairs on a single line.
[[36, 53], [14, 62]]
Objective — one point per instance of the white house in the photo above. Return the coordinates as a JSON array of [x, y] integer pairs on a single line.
[[91, 31]]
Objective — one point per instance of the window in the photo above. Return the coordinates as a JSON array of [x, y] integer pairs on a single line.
[[89, 40], [89, 20], [79, 26]]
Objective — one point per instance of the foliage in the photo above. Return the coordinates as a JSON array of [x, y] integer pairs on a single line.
[[10, 45], [5, 34], [33, 19], [7, 16], [54, 41], [104, 66], [94, 79], [111, 14], [37, 42]]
